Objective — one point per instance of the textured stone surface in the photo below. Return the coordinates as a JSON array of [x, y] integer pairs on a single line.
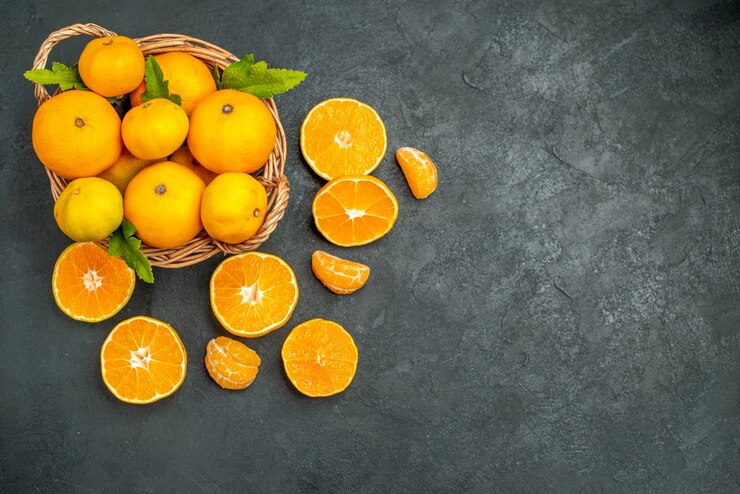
[[560, 316]]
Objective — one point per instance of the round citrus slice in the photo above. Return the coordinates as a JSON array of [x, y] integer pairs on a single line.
[[89, 285], [419, 170], [253, 294], [343, 136], [339, 275], [354, 210], [233, 365], [142, 360], [320, 358]]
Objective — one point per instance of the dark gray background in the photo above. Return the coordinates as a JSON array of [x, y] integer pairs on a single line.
[[560, 316]]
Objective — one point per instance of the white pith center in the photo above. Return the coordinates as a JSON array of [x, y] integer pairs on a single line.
[[92, 280], [251, 294], [140, 358], [344, 139], [355, 213]]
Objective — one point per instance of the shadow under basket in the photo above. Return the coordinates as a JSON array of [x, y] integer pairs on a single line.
[[271, 176]]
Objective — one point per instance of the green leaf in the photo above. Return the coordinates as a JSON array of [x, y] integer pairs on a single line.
[[216, 76], [156, 85], [123, 244], [66, 77], [259, 80]]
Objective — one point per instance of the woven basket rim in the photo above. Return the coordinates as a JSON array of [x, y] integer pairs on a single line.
[[271, 175]]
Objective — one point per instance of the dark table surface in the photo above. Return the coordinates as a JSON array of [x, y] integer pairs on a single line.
[[560, 316]]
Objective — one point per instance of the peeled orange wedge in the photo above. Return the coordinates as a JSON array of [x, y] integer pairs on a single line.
[[253, 294], [419, 170], [339, 275], [320, 358], [343, 136], [233, 365], [354, 210], [143, 360], [89, 285]]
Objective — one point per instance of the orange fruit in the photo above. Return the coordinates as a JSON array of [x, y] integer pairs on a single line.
[[143, 360], [419, 170], [233, 365], [188, 77], [155, 129], [253, 294], [320, 358], [163, 203], [343, 136], [184, 157], [77, 134], [112, 65], [339, 275], [233, 207], [354, 210], [89, 285], [124, 169], [89, 209], [232, 131]]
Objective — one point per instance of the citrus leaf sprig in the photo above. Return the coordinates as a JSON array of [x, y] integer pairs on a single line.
[[156, 85], [66, 77], [255, 78], [123, 244]]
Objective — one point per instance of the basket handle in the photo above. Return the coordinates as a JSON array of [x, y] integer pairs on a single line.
[[42, 56]]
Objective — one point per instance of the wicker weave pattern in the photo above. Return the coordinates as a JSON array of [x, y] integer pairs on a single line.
[[271, 176]]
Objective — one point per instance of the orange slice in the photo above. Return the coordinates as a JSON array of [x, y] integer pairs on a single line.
[[354, 210], [320, 358], [419, 170], [343, 136], [89, 285], [253, 293], [142, 360], [233, 365], [339, 275]]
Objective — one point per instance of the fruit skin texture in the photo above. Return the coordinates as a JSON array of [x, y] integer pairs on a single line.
[[81, 270], [112, 66], [188, 77], [339, 275], [155, 129], [89, 209], [253, 294], [354, 210], [233, 365], [233, 207], [419, 170], [77, 134], [163, 203], [320, 358], [146, 362], [231, 131], [343, 136], [125, 169], [184, 157]]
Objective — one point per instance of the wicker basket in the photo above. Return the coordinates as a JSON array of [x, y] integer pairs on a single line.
[[271, 175]]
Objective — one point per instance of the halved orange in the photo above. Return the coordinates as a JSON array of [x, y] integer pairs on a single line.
[[320, 358], [143, 360], [253, 294], [419, 170], [354, 210], [339, 275], [343, 136], [233, 365], [89, 285]]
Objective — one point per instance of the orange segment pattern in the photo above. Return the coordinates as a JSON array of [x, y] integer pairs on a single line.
[[143, 360], [320, 358]]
